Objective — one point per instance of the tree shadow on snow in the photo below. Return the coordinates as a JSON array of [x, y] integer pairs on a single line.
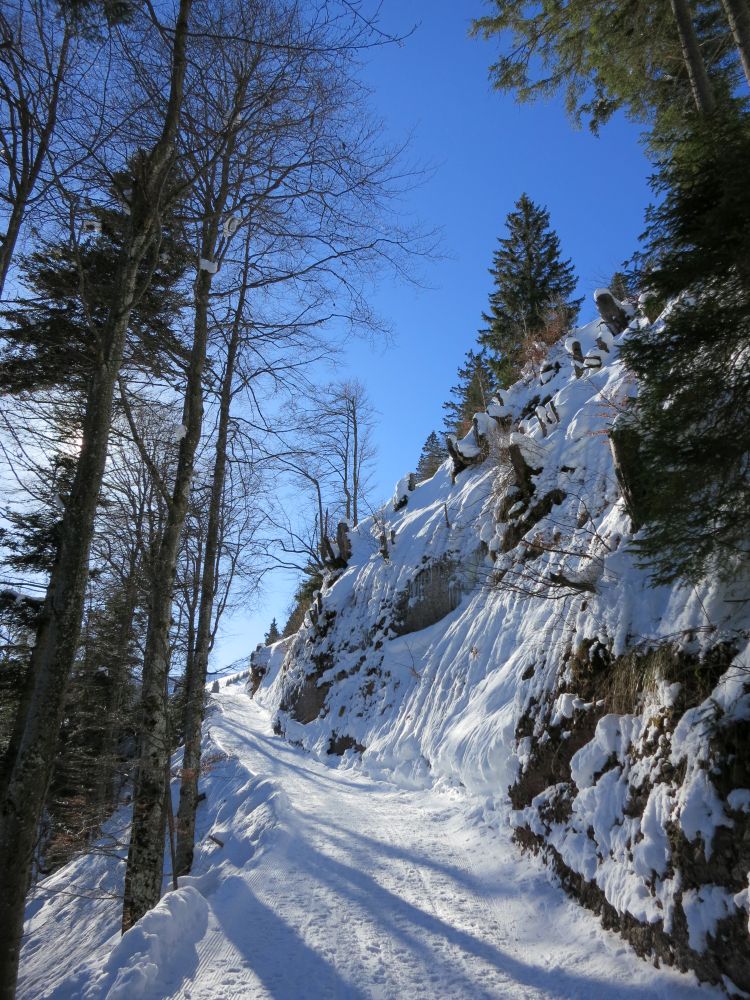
[[288, 967], [426, 935]]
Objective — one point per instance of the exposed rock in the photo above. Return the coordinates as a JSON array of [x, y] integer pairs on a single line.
[[344, 542], [545, 789], [610, 310], [308, 700], [339, 744], [523, 470], [459, 462], [434, 592]]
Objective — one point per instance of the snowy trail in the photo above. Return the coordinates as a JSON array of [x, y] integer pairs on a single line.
[[322, 883], [367, 891]]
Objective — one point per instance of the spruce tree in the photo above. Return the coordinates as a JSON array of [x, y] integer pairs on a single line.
[[272, 635], [476, 387], [51, 336], [432, 457], [533, 286], [311, 580], [607, 56], [692, 417]]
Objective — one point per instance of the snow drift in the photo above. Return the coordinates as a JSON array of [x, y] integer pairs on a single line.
[[493, 629]]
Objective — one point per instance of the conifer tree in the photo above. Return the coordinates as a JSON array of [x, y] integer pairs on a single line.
[[310, 581], [692, 417], [432, 457], [532, 286], [475, 389], [652, 60], [272, 635], [50, 337]]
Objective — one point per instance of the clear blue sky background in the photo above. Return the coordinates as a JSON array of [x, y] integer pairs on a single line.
[[486, 151]]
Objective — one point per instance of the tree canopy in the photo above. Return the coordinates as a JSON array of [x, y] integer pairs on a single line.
[[532, 284]]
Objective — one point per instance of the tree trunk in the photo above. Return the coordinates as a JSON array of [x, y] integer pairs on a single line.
[[59, 629], [738, 15], [145, 867], [195, 680], [107, 773], [700, 84], [355, 462], [8, 243]]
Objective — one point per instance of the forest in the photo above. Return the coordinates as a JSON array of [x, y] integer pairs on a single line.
[[198, 203]]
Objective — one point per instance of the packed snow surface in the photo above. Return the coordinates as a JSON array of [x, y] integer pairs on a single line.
[[313, 881]]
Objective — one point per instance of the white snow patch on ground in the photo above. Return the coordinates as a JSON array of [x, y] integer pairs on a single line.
[[331, 884]]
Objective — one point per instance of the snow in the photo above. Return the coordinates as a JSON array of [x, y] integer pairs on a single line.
[[704, 908], [231, 225], [393, 873], [700, 809], [211, 266], [440, 707], [613, 735], [164, 940], [739, 799], [332, 883]]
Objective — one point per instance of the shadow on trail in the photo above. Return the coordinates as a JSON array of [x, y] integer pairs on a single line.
[[288, 968], [425, 933]]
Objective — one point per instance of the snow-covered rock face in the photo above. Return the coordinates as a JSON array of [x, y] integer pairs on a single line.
[[493, 629]]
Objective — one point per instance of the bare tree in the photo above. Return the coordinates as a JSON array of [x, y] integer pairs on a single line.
[[275, 141], [59, 629], [36, 49], [343, 423]]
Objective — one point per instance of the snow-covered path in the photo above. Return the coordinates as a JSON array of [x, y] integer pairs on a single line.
[[367, 891], [327, 884]]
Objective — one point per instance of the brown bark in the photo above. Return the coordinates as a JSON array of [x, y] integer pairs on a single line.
[[738, 15], [195, 679], [700, 84], [59, 630], [144, 872]]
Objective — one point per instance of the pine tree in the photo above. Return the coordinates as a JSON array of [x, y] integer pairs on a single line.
[[310, 581], [692, 417], [476, 387], [532, 288], [272, 635], [652, 60], [51, 337], [623, 285], [432, 457]]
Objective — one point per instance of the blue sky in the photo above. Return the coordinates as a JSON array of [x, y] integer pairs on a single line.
[[484, 151]]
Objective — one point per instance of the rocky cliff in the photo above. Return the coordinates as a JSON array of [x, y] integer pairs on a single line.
[[492, 628]]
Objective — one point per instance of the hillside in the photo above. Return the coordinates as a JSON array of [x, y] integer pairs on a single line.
[[493, 630], [487, 671]]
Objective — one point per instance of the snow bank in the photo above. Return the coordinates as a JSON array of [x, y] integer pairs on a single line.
[[163, 941], [478, 688]]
